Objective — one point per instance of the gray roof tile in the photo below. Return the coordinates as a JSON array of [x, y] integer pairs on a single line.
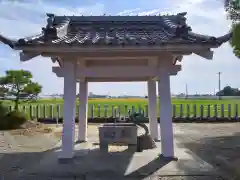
[[117, 31]]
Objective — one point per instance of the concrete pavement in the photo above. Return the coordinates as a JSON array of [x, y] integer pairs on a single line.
[[89, 163]]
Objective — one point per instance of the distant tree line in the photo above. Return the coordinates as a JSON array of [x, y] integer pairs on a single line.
[[229, 91]]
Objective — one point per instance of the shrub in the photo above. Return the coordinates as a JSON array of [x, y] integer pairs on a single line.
[[3, 110], [13, 120], [3, 113]]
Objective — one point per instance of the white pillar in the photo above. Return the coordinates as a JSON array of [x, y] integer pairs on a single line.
[[165, 113], [152, 109], [69, 112], [83, 111]]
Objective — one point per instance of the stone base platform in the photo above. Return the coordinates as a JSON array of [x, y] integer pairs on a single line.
[[120, 163]]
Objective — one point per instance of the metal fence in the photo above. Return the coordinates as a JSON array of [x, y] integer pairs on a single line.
[[98, 111]]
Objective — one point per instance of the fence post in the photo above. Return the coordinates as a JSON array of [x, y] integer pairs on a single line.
[[229, 111], [112, 110], [31, 111], [125, 110], [24, 109], [208, 111], [146, 110], [188, 110], [37, 112], [201, 111], [222, 110], [51, 111], [215, 110], [236, 111], [115, 112], [194, 111], [92, 111], [105, 110], [133, 109], [119, 111], [44, 111], [181, 111], [58, 113], [143, 113], [174, 110], [99, 110]]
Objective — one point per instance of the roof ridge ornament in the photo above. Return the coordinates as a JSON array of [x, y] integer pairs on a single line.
[[50, 20], [182, 14]]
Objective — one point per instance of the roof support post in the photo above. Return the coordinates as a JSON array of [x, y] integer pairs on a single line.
[[68, 135], [152, 109], [166, 126], [83, 109]]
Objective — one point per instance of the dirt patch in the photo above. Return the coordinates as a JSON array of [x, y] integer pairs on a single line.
[[58, 134], [31, 128]]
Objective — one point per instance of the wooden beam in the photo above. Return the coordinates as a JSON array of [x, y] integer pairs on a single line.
[[110, 79], [153, 62], [118, 62], [123, 56], [139, 79], [109, 55], [116, 72]]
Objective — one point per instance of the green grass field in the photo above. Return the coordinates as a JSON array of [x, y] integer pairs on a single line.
[[101, 106]]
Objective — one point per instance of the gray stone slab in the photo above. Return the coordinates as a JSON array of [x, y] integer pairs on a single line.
[[118, 164]]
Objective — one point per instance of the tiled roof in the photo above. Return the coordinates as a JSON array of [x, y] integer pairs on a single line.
[[117, 31]]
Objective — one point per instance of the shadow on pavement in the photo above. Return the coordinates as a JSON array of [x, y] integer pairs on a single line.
[[87, 163], [222, 152]]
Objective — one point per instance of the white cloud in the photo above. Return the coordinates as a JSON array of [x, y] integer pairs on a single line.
[[20, 19]]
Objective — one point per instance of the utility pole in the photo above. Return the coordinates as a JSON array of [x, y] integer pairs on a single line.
[[186, 92], [219, 85]]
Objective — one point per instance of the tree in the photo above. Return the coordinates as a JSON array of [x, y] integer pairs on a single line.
[[18, 84], [228, 91], [232, 8]]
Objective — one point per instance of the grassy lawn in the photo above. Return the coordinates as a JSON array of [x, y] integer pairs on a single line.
[[98, 107]]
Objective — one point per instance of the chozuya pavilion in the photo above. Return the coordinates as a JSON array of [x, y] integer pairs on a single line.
[[114, 49]]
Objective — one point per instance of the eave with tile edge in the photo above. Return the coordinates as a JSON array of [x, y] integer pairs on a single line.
[[171, 34]]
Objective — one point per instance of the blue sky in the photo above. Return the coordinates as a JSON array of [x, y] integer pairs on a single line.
[[25, 18]]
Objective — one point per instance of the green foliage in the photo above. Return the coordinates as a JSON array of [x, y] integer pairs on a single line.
[[235, 43], [232, 8], [12, 120], [18, 84], [228, 91], [3, 110], [3, 92]]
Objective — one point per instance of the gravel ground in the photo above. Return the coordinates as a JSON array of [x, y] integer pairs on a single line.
[[19, 149], [217, 144], [210, 142]]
